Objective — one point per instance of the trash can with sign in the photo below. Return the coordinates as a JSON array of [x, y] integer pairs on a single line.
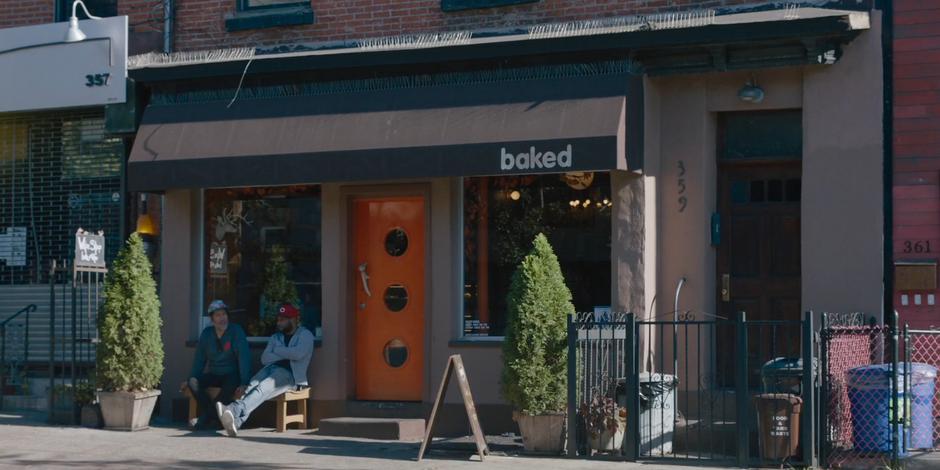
[[784, 375], [872, 411], [778, 425]]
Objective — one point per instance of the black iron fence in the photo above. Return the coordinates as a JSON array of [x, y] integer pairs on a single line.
[[75, 296], [14, 350], [730, 391]]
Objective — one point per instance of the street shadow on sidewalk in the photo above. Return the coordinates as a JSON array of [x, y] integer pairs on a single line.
[[318, 445], [21, 460]]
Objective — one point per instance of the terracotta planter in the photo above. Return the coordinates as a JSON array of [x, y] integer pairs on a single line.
[[127, 411], [542, 433]]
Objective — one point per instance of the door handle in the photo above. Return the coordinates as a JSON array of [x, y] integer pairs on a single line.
[[726, 288], [365, 278]]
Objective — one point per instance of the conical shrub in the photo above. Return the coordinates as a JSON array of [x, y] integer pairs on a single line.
[[130, 355], [535, 352]]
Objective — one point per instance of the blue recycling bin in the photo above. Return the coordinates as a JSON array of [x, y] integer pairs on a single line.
[[869, 390]]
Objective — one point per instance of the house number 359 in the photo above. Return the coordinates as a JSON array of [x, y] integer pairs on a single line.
[[98, 79]]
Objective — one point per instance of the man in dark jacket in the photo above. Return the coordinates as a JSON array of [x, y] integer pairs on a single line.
[[222, 360]]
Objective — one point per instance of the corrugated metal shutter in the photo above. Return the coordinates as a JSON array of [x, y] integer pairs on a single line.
[[58, 172]]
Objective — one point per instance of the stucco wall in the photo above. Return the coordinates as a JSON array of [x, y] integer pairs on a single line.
[[842, 192], [842, 180]]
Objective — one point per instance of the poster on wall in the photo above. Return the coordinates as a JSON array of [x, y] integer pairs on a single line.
[[13, 246]]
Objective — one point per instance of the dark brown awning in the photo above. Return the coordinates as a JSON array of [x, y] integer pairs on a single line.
[[520, 127]]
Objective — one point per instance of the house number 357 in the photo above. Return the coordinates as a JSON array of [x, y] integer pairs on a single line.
[[98, 79]]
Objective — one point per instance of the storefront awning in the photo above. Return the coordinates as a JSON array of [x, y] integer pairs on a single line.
[[533, 126]]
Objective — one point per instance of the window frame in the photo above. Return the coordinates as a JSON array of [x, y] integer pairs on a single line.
[[459, 336], [461, 275], [243, 5], [202, 321]]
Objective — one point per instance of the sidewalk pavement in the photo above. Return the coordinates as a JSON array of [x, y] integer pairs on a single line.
[[28, 441]]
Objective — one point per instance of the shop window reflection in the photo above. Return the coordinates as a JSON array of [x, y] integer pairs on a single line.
[[262, 247], [502, 215]]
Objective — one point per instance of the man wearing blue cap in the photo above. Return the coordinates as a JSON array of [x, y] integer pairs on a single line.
[[222, 360]]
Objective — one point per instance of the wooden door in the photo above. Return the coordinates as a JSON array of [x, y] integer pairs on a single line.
[[388, 272], [759, 259]]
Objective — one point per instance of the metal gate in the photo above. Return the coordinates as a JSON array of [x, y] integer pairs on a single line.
[[661, 379], [75, 297]]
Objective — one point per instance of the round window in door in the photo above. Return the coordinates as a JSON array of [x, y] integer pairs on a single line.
[[396, 353], [396, 297], [396, 242]]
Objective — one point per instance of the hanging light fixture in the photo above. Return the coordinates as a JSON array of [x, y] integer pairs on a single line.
[[75, 33]]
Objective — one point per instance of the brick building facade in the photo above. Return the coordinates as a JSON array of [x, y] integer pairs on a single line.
[[917, 152]]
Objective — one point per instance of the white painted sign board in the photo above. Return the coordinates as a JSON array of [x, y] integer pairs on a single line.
[[42, 71]]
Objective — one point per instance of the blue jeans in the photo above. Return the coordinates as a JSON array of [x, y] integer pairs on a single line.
[[268, 383]]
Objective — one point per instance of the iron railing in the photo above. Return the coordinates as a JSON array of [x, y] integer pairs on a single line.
[[664, 385], [12, 370]]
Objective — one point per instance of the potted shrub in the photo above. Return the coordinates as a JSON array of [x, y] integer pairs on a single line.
[[277, 290], [130, 355], [605, 423], [535, 352]]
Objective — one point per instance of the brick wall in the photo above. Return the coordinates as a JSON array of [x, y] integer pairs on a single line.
[[26, 12], [917, 143], [201, 23]]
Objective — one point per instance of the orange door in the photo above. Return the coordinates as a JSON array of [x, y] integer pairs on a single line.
[[388, 271]]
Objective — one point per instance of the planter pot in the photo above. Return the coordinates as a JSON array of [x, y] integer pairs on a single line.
[[542, 433], [127, 411], [62, 407], [610, 441], [91, 416]]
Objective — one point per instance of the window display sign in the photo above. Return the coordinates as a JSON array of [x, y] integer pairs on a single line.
[[218, 260]]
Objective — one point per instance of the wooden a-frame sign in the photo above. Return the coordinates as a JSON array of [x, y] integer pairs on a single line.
[[455, 364]]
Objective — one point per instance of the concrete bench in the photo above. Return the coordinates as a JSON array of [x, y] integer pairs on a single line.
[[280, 403]]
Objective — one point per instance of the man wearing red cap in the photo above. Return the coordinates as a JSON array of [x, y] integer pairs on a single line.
[[285, 363]]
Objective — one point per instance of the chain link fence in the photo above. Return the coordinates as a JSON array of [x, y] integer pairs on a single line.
[[922, 352]]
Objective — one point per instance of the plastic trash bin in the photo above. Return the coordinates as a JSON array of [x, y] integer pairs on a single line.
[[922, 385], [784, 375], [778, 425], [869, 390]]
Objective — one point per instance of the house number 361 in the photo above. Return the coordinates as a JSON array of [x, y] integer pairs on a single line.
[[98, 79]]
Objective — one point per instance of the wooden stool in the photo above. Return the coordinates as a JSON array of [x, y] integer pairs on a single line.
[[283, 419], [280, 403]]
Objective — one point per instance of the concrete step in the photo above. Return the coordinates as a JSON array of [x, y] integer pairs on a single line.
[[386, 429]]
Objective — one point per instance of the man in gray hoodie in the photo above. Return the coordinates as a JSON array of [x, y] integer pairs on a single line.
[[285, 361]]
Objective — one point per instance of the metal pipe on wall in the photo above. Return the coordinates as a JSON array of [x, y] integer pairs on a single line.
[[168, 15]]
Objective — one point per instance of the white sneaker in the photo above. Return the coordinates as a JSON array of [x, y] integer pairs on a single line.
[[227, 419]]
